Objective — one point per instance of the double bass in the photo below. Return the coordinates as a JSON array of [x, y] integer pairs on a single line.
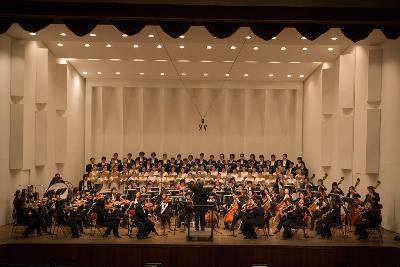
[[356, 216]]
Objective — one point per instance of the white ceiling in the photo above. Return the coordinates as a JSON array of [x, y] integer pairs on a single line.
[[123, 58]]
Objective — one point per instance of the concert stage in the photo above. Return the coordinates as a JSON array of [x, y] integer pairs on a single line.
[[225, 250]]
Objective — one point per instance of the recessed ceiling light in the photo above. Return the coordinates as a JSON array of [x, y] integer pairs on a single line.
[[334, 38], [159, 46], [183, 60], [274, 62], [248, 37], [60, 44], [138, 59], [87, 45], [301, 76], [92, 35], [63, 34], [250, 61], [205, 74], [115, 59], [151, 35], [209, 46], [162, 73], [135, 46], [182, 36], [108, 45], [99, 72], [317, 62], [32, 33], [227, 74], [181, 46], [183, 74], [142, 73], [245, 75], [295, 62], [206, 61], [289, 75], [233, 47], [271, 75], [118, 73], [85, 72], [228, 61], [283, 48], [124, 35], [94, 59], [161, 60], [274, 38], [303, 38], [305, 48], [330, 49], [255, 48]]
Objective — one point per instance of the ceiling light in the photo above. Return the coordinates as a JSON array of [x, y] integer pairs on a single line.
[[92, 35], [250, 61], [330, 49], [162, 73], [108, 45], [295, 62], [115, 59], [32, 33], [151, 35], [248, 37], [87, 45], [227, 74], [305, 48], [289, 75], [274, 38], [283, 48], [62, 61], [206, 61], [159, 46], [301, 76], [317, 62], [209, 46], [84, 73], [228, 61], [94, 59], [334, 38], [245, 75], [205, 74], [118, 73], [138, 59], [60, 44], [303, 38], [182, 36], [270, 75], [183, 74], [124, 35], [255, 48], [181, 46], [135, 46], [161, 60], [63, 34], [233, 47], [142, 73], [274, 62], [99, 72], [183, 60]]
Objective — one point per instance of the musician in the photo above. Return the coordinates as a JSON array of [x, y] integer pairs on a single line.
[[254, 217], [85, 185], [200, 196], [111, 223], [330, 219], [23, 217], [164, 211], [303, 169], [352, 193], [371, 218], [287, 203], [305, 183], [142, 160], [64, 218], [91, 166], [231, 162], [211, 162], [142, 221], [373, 194], [318, 208], [294, 220], [273, 162], [56, 179], [320, 186]]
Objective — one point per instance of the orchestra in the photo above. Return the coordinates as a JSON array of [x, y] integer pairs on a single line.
[[245, 194]]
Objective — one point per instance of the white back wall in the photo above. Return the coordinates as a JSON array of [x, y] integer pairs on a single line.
[[164, 117]]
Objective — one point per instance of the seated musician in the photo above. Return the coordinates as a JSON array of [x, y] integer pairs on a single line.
[[317, 209], [371, 217], [164, 211], [352, 193], [294, 219], [287, 204], [371, 192], [64, 218], [142, 221], [23, 217], [85, 185], [254, 217], [110, 222], [330, 219]]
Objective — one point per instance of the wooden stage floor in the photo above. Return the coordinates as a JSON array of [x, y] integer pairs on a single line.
[[175, 250]]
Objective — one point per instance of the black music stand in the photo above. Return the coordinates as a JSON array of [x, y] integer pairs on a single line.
[[201, 235]]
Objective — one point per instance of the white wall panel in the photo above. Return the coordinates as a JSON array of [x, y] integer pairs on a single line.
[[346, 81], [60, 139], [173, 121], [132, 120], [329, 87], [97, 122], [61, 87], [17, 69], [112, 102], [254, 122], [373, 140], [234, 127], [16, 135], [42, 75], [327, 137], [152, 120], [40, 138], [345, 131], [374, 74]]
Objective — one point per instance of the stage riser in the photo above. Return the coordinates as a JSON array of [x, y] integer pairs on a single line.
[[115, 255]]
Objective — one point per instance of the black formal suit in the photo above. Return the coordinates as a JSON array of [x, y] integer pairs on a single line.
[[25, 219], [241, 163], [200, 196], [90, 167], [101, 165], [370, 219], [64, 219], [330, 219], [294, 220], [88, 186], [142, 222], [142, 160], [153, 161], [203, 162], [252, 219], [286, 164], [111, 223]]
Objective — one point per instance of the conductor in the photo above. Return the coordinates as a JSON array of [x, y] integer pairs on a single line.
[[200, 195]]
